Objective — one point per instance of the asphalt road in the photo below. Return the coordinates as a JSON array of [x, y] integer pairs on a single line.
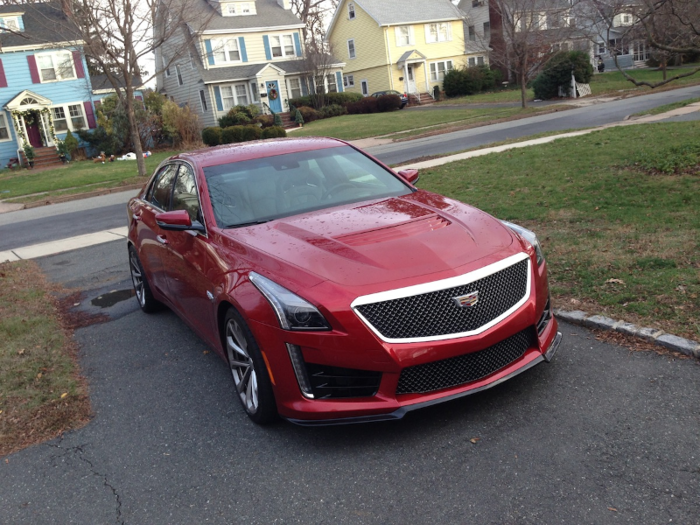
[[33, 226], [601, 435]]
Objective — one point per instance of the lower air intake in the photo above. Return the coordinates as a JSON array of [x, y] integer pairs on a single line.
[[466, 368], [334, 382]]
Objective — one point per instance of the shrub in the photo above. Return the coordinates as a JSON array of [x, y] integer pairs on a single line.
[[211, 136], [298, 118], [334, 110], [181, 123], [342, 99], [237, 116], [70, 143], [388, 103], [278, 120], [308, 114], [463, 81], [240, 134], [557, 72], [273, 132], [265, 120], [327, 99], [366, 105]]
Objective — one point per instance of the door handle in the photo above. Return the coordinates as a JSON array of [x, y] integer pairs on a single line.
[[161, 239]]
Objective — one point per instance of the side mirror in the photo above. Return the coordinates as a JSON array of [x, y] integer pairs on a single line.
[[410, 175], [178, 220]]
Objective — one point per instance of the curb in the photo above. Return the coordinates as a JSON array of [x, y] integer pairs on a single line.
[[9, 207], [659, 337]]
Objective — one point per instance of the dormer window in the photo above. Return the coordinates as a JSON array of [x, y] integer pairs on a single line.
[[351, 11], [239, 9], [11, 23]]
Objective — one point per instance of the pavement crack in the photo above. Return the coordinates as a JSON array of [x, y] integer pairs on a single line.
[[79, 452]]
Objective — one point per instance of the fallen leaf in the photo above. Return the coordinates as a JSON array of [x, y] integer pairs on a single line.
[[20, 351], [612, 509], [205, 352], [474, 440], [575, 301], [65, 394], [615, 281], [38, 376]]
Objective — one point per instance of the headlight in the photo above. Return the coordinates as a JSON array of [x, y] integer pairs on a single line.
[[293, 312], [530, 237]]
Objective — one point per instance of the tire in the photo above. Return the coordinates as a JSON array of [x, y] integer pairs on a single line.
[[250, 377], [144, 295]]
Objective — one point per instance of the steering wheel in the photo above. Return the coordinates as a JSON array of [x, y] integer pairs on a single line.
[[337, 189]]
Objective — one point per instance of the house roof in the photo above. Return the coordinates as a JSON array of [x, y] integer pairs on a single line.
[[248, 71], [269, 14], [44, 23], [401, 12], [101, 82]]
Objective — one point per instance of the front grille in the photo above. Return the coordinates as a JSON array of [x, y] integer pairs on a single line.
[[464, 368], [436, 313], [333, 381]]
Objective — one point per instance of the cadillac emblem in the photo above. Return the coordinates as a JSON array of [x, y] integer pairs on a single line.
[[467, 301]]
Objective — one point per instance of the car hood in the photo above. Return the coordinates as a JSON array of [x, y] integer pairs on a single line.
[[379, 241]]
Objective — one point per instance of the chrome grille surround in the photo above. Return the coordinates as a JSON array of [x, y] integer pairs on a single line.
[[415, 299]]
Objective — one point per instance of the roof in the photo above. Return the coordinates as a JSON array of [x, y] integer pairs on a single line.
[[43, 23], [269, 14], [402, 12], [100, 82]]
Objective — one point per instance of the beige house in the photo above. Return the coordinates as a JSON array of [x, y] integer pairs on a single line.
[[405, 45]]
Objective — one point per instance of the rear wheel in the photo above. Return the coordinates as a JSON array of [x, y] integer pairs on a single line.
[[248, 370], [138, 277]]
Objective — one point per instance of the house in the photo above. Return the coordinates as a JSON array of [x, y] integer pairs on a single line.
[[44, 88], [404, 45], [238, 53], [102, 87]]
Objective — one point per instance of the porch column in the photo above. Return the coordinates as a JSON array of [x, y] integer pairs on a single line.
[[406, 84], [426, 72]]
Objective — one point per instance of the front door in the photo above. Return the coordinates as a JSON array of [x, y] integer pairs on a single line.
[[410, 80], [33, 133], [273, 95]]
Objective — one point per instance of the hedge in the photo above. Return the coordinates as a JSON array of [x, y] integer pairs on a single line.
[[329, 99], [211, 136], [557, 72], [273, 132], [240, 134]]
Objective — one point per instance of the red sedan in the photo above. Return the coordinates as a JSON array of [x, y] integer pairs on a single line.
[[334, 289]]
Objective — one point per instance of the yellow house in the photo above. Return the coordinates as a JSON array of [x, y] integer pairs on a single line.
[[404, 45]]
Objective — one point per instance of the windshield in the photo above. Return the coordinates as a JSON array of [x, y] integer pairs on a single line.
[[259, 190]]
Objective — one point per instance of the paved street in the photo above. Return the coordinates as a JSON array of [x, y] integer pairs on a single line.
[[601, 435]]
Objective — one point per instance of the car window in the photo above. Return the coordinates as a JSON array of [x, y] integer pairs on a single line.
[[269, 188], [185, 193], [162, 187]]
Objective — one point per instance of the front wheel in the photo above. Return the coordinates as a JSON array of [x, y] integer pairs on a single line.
[[142, 289], [248, 370]]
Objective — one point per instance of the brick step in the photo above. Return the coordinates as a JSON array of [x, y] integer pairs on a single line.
[[421, 100], [287, 120], [43, 158]]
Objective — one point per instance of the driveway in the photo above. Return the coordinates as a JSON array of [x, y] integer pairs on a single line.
[[601, 435]]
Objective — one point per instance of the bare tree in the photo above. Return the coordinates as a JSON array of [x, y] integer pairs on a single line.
[[313, 14], [525, 34], [119, 34]]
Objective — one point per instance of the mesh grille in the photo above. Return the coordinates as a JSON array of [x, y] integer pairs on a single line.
[[436, 313], [333, 382], [464, 368]]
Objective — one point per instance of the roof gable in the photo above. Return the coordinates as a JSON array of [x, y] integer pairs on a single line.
[[269, 15]]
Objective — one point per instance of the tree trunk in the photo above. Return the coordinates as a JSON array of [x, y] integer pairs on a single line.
[[523, 90], [663, 65], [134, 130]]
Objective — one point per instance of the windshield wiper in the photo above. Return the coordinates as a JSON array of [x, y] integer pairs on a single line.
[[251, 223]]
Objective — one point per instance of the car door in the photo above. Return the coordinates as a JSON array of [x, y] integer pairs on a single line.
[[189, 260], [150, 239]]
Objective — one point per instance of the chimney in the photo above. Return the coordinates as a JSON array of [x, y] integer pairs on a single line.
[[285, 4], [67, 8]]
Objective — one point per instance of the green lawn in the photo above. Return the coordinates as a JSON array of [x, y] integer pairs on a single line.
[[76, 176], [352, 127], [612, 82], [667, 107], [617, 211]]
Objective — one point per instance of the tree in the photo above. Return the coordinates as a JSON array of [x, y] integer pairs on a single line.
[[671, 28], [119, 34], [525, 34], [313, 14]]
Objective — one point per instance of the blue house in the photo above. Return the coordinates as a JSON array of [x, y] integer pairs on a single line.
[[44, 86]]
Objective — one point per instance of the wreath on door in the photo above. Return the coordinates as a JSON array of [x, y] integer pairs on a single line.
[[273, 94]]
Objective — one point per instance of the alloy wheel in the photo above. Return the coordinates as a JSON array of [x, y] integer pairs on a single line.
[[241, 364]]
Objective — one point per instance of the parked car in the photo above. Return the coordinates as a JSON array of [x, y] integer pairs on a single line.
[[334, 289], [402, 96]]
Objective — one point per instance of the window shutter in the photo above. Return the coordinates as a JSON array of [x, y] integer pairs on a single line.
[[411, 38], [20, 23], [217, 96], [241, 48], [210, 52], [427, 32], [297, 44], [33, 70], [90, 114], [339, 81], [397, 35], [266, 41], [3, 79], [78, 61]]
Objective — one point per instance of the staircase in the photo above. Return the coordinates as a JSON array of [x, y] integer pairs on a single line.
[[43, 158], [287, 120], [421, 99]]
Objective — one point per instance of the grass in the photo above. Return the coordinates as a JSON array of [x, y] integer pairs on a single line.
[[80, 175], [667, 107], [612, 82], [41, 393], [617, 211], [353, 127]]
